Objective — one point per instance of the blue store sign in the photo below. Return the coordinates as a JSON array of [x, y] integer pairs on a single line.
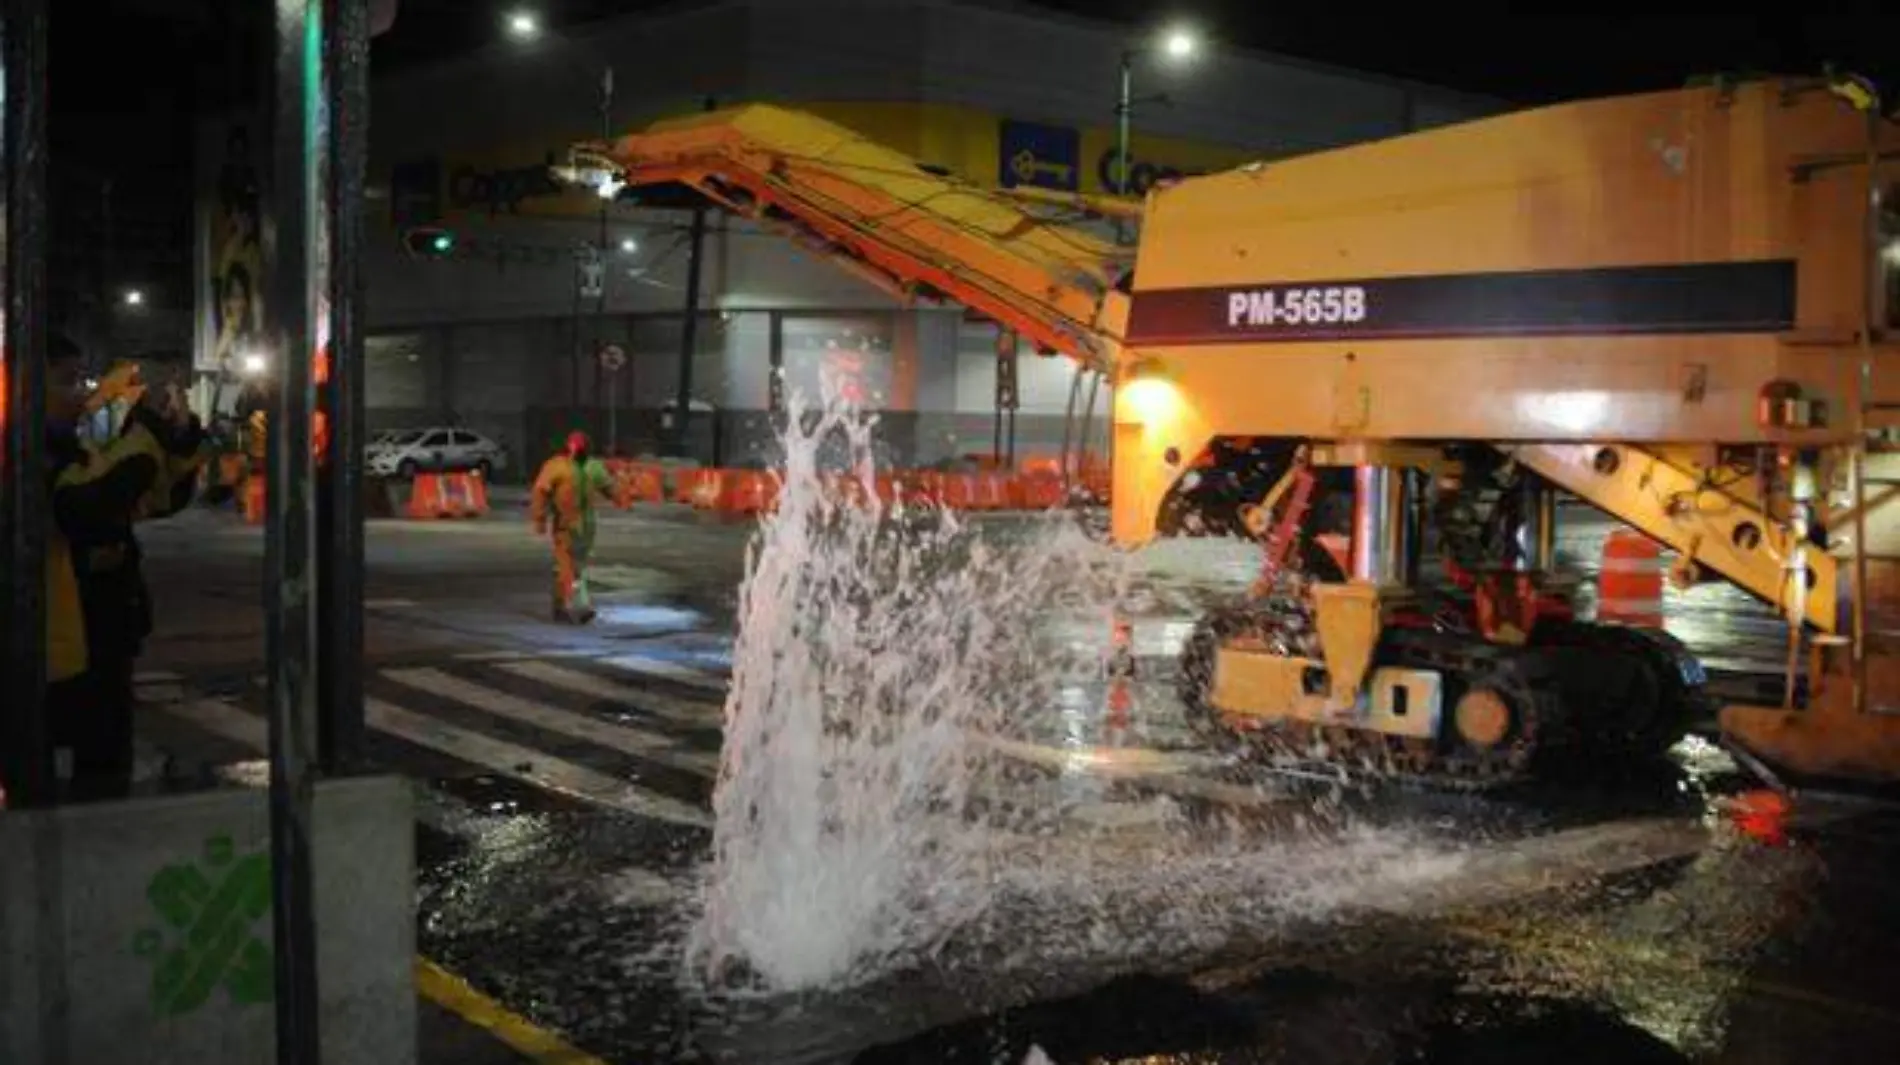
[[1047, 157]]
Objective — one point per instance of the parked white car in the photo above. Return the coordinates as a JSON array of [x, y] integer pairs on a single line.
[[407, 452]]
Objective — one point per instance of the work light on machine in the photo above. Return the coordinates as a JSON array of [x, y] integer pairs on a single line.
[[1147, 390]]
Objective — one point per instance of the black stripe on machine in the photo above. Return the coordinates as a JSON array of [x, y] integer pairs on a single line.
[[1727, 297]]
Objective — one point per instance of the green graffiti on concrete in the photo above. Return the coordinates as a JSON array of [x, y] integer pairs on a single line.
[[210, 910]]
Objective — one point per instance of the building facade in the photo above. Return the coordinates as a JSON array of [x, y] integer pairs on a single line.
[[498, 328]]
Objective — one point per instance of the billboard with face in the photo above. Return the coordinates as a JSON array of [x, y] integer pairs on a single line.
[[846, 357], [232, 308]]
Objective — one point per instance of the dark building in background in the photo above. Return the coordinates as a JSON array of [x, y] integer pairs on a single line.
[[488, 321]]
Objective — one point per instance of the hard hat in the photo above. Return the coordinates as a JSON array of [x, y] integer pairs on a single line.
[[576, 442], [121, 383]]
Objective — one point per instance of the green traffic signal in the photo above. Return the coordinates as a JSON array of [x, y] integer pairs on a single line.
[[428, 242]]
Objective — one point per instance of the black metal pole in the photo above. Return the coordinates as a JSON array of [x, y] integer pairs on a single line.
[[689, 332], [600, 249], [288, 243], [574, 355], [25, 755], [340, 478]]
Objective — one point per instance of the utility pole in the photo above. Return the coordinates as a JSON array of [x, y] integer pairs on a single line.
[[339, 480], [26, 755], [600, 251], [1122, 108], [689, 333]]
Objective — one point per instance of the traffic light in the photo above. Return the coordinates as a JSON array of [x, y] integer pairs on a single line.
[[426, 242]]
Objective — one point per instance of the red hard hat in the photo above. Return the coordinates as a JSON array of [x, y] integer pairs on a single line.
[[576, 442]]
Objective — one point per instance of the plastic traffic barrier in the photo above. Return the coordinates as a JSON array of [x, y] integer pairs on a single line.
[[447, 495], [686, 483], [1036, 491], [1630, 589], [253, 498], [992, 491]]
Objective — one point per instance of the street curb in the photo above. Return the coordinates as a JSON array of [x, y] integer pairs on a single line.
[[454, 994]]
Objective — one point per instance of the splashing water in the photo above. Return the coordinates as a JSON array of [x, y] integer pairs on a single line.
[[875, 641], [857, 827]]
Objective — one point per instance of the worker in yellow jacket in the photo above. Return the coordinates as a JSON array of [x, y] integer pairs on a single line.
[[562, 507], [98, 612]]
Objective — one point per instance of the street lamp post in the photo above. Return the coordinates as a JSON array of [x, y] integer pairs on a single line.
[[591, 265], [1122, 107], [1178, 44], [600, 252]]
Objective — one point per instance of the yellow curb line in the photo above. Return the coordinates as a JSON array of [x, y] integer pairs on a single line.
[[454, 994]]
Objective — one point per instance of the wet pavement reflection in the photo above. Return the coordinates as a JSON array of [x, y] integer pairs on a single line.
[[1612, 918]]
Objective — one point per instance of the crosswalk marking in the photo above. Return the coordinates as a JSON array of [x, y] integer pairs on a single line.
[[225, 720], [657, 667], [625, 738], [685, 711], [536, 767]]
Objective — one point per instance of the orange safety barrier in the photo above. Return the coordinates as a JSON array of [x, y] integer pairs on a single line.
[[448, 495], [638, 482], [923, 487], [992, 491], [1039, 465], [735, 492], [748, 492], [843, 487], [253, 498], [686, 483], [476, 487], [957, 491], [705, 487], [1036, 491], [1630, 589]]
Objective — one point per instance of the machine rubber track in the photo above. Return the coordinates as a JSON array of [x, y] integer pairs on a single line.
[[1641, 689], [1577, 694]]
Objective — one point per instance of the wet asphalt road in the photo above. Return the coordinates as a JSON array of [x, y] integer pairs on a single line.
[[571, 911]]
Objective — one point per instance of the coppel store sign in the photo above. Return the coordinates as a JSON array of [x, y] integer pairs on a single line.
[[1053, 157], [423, 190]]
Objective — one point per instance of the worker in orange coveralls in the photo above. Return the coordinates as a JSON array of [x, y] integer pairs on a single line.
[[562, 506]]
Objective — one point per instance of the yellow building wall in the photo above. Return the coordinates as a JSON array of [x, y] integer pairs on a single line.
[[982, 147]]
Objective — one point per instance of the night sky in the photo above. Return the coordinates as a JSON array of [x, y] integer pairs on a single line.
[[122, 100]]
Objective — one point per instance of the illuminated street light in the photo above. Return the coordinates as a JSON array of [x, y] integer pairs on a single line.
[[253, 364], [134, 298], [524, 25], [1180, 44], [629, 245]]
